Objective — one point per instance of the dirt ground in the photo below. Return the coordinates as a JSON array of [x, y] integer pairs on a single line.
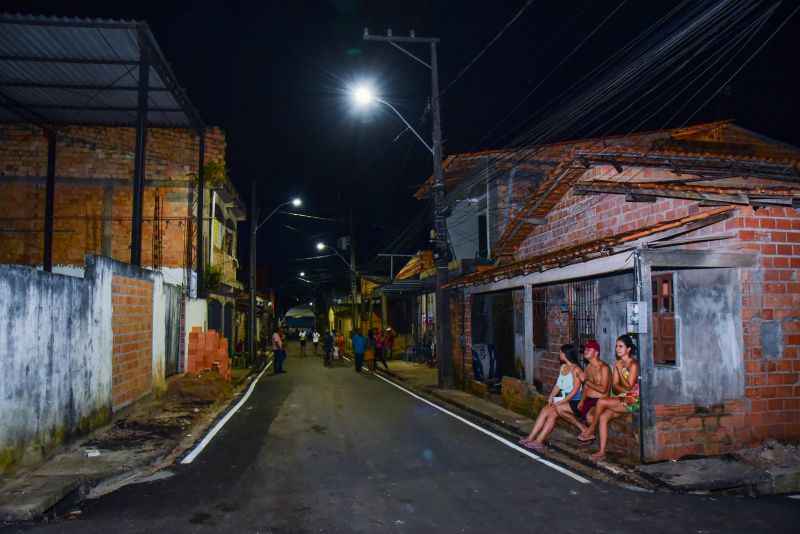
[[770, 455], [153, 422]]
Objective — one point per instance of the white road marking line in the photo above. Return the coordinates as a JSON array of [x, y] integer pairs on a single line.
[[501, 439], [206, 440]]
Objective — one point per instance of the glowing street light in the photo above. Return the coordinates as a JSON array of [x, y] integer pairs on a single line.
[[364, 96], [255, 225], [444, 356]]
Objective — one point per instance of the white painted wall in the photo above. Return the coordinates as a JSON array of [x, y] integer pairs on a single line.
[[55, 358], [159, 333]]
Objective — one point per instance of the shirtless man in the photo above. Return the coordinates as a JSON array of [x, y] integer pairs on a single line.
[[596, 379]]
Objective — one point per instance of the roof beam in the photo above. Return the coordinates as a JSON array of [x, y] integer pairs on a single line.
[[74, 60], [587, 188], [77, 87], [101, 108], [635, 197]]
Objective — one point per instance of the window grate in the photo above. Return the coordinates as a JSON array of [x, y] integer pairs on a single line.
[[583, 311]]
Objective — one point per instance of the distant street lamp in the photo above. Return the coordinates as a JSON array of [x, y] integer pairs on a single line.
[[353, 276], [363, 95], [255, 224]]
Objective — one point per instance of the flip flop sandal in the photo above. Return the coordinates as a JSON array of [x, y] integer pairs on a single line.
[[532, 445], [586, 439]]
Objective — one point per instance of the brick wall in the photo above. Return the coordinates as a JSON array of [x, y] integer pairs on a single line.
[[132, 325], [93, 194], [770, 408], [465, 357]]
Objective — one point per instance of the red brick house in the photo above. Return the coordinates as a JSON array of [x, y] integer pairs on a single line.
[[696, 228]]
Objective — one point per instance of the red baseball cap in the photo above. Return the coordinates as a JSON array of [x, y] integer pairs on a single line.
[[591, 344]]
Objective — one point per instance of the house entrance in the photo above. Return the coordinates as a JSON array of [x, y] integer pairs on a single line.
[[493, 327]]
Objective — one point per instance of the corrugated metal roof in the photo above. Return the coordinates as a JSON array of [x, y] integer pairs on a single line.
[[69, 71]]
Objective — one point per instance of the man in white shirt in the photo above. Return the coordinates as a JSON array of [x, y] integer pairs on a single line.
[[303, 342], [315, 340]]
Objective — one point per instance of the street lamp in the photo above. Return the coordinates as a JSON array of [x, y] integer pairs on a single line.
[[255, 224], [353, 275], [364, 95]]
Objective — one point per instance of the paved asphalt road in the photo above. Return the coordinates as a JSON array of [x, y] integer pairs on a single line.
[[327, 450]]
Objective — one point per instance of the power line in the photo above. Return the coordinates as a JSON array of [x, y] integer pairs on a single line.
[[485, 48]]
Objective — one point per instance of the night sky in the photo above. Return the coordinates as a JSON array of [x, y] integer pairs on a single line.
[[274, 75]]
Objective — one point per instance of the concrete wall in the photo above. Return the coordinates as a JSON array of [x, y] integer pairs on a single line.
[[614, 292], [710, 366], [55, 358], [73, 350], [462, 229]]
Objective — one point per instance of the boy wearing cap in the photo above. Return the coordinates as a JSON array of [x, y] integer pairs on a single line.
[[596, 380]]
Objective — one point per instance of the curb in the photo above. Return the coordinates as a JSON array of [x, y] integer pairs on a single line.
[[610, 471]]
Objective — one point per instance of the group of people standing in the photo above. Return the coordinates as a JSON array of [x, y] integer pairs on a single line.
[[581, 396], [371, 347], [332, 349]]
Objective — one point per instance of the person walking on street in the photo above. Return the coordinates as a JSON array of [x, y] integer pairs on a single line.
[[327, 349], [339, 342], [390, 336], [303, 342], [277, 349], [315, 340], [379, 348], [369, 353], [359, 347]]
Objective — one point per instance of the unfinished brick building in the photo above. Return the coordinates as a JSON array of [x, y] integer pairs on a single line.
[[698, 227], [94, 195], [109, 175]]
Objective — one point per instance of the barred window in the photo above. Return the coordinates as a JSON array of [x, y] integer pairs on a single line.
[[583, 311]]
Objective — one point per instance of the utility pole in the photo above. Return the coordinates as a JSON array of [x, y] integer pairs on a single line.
[[444, 354], [251, 327], [353, 280]]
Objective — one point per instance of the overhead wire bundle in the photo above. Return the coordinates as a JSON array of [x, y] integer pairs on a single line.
[[677, 58]]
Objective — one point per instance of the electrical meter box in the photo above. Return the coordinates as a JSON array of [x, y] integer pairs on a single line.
[[637, 317]]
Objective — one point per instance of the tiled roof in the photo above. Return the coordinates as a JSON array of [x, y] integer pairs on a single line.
[[586, 251], [718, 149]]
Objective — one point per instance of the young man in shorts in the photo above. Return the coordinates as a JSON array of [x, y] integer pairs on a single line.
[[596, 379]]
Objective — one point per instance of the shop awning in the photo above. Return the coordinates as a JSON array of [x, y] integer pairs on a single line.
[[415, 286]]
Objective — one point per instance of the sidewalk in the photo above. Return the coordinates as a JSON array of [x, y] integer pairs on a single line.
[[718, 474], [140, 440]]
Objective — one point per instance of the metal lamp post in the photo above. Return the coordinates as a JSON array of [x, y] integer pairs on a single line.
[[254, 226], [441, 249]]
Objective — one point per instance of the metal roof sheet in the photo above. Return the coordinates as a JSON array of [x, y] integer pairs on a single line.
[[70, 71]]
